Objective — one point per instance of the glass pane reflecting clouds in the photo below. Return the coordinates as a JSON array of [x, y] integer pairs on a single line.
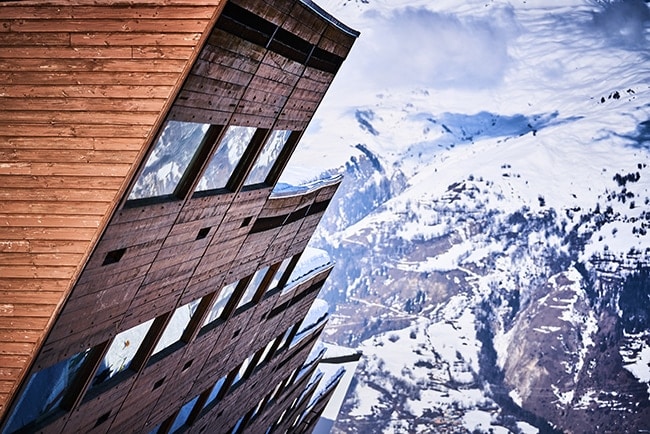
[[268, 157], [169, 159], [223, 163]]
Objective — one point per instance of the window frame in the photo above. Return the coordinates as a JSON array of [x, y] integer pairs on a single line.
[[188, 178]]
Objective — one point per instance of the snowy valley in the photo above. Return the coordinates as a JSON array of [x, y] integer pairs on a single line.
[[491, 235]]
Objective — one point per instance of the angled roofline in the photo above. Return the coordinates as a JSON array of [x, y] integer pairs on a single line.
[[329, 18]]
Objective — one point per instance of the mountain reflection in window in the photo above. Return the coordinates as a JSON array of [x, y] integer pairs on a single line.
[[172, 153], [220, 304], [223, 163], [44, 392], [268, 157]]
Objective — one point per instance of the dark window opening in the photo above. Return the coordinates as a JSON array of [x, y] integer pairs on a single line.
[[158, 383], [245, 24], [266, 223], [203, 233], [114, 256], [246, 222], [103, 418]]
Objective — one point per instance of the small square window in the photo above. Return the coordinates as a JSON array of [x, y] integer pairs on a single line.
[[114, 256], [225, 160], [203, 233], [171, 156]]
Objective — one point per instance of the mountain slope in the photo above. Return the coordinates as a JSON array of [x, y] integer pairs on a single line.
[[492, 241]]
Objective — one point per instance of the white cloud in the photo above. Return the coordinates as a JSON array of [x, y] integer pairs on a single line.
[[625, 23], [415, 46]]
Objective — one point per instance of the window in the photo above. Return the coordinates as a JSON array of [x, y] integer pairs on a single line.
[[284, 340], [252, 287], [266, 352], [220, 303], [242, 373], [237, 426], [176, 326], [258, 408], [215, 393], [309, 261], [121, 352], [171, 155], [267, 157], [183, 415], [45, 392], [279, 273], [223, 163]]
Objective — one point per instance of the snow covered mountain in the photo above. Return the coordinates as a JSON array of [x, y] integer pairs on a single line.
[[491, 234]]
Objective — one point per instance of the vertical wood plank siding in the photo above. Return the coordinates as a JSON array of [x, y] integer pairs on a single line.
[[82, 88]]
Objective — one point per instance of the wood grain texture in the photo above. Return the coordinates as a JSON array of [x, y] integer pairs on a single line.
[[83, 86], [78, 109]]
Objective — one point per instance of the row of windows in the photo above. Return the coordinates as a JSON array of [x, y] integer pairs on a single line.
[[205, 401], [59, 387], [182, 148]]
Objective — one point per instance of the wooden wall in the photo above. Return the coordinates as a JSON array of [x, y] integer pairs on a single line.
[[82, 88], [78, 110]]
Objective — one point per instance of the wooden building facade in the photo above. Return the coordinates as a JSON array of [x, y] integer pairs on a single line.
[[146, 266]]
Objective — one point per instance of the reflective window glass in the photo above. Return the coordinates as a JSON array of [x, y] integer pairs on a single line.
[[220, 303], [265, 354], [214, 393], [172, 153], [176, 326], [223, 163], [241, 374], [279, 273], [121, 352], [252, 287], [183, 414], [44, 392], [267, 157]]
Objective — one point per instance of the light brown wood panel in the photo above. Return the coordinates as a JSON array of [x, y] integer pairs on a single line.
[[87, 78], [56, 52], [62, 156], [135, 39], [30, 40], [42, 297], [105, 12], [51, 220], [102, 65], [79, 130], [40, 259], [109, 25], [88, 91], [54, 117], [68, 143], [161, 52], [52, 194], [141, 109]]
